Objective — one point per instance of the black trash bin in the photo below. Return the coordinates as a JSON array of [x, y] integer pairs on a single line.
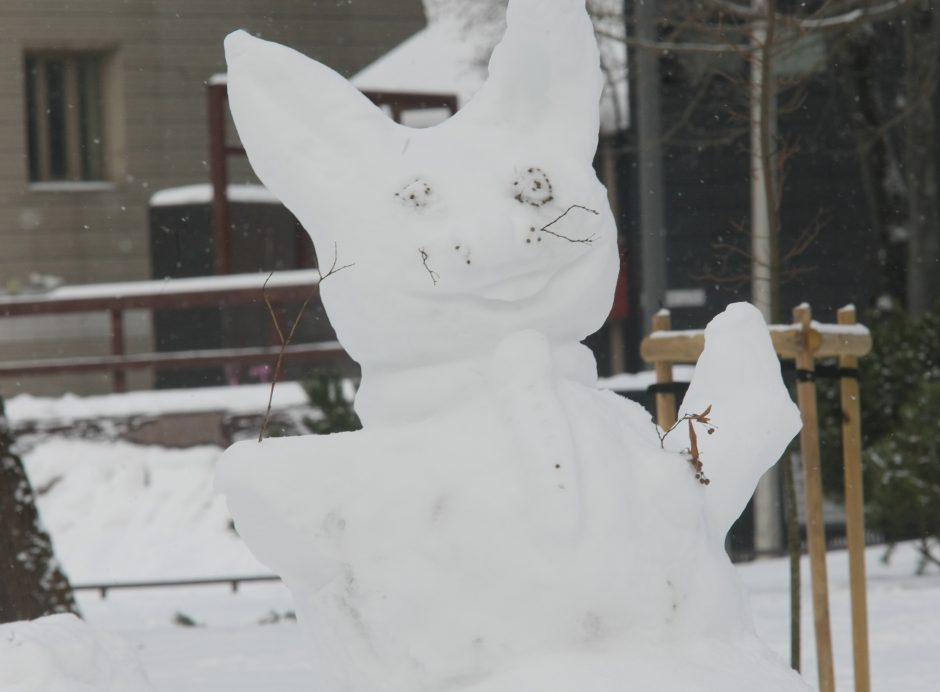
[[265, 237]]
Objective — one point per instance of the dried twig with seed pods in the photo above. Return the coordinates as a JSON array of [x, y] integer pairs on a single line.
[[693, 452], [286, 340]]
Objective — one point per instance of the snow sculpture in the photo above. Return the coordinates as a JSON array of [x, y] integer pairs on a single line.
[[499, 523]]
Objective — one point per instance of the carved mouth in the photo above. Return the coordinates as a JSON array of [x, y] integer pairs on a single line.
[[524, 285], [515, 288]]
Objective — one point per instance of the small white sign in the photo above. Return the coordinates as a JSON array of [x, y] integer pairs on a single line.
[[685, 298]]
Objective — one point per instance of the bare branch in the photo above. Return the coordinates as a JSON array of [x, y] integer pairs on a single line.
[[544, 229], [267, 301], [671, 47], [285, 342], [859, 15]]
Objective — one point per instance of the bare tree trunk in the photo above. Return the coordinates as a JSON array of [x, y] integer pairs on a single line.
[[649, 140], [31, 582], [765, 243]]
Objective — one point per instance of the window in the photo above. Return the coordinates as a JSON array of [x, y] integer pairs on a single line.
[[65, 116]]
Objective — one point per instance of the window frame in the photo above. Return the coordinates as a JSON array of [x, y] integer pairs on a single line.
[[38, 165]]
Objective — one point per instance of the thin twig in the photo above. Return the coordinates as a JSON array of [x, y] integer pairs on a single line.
[[544, 229], [285, 342], [267, 301], [424, 260]]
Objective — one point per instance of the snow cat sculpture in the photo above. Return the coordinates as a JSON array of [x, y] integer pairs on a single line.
[[499, 523]]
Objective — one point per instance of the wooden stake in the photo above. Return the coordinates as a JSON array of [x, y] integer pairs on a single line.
[[854, 509], [795, 551], [815, 525], [665, 401]]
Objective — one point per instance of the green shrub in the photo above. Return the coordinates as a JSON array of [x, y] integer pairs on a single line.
[[900, 396], [904, 470], [331, 393]]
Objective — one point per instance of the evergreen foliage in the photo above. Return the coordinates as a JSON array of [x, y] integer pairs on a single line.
[[905, 470], [900, 391], [329, 392], [31, 582]]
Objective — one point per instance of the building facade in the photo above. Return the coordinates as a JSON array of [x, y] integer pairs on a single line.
[[103, 103]]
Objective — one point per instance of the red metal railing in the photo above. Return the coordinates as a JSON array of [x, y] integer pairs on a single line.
[[169, 294]]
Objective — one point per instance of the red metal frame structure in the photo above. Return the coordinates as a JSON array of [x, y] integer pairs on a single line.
[[168, 294], [220, 150]]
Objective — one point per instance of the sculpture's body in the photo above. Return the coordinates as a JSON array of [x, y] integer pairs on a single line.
[[499, 523]]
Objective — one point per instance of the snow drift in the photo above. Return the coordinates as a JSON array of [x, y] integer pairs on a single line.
[[60, 653]]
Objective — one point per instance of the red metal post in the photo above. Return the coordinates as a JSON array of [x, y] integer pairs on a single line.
[[119, 377], [218, 173]]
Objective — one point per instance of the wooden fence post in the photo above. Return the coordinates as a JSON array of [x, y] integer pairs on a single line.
[[854, 506], [665, 400], [815, 523]]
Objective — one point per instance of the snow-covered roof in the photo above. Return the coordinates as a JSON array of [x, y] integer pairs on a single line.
[[439, 59], [448, 58], [202, 194], [445, 57]]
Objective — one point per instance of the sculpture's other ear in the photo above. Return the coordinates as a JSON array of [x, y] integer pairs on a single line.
[[544, 76], [300, 122]]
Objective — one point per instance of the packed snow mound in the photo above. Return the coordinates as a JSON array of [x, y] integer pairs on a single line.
[[539, 518], [499, 522], [61, 653], [124, 512]]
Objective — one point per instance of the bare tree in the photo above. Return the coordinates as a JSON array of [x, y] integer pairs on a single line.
[[735, 52], [895, 123]]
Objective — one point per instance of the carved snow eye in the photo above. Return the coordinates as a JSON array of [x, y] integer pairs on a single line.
[[533, 187], [415, 194]]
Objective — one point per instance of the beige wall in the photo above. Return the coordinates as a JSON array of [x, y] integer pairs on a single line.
[[163, 52]]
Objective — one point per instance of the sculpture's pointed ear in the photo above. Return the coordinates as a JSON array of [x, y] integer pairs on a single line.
[[545, 76], [300, 122]]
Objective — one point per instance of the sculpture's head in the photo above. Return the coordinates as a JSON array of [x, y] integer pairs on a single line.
[[458, 234]]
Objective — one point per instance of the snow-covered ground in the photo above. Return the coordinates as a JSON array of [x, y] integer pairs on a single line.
[[123, 512]]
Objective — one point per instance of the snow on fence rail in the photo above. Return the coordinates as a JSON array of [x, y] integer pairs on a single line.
[[167, 294], [233, 582]]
